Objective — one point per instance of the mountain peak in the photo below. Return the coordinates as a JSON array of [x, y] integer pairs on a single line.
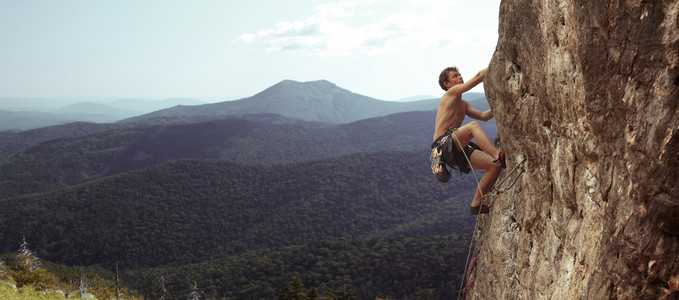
[[316, 101], [314, 82], [288, 85]]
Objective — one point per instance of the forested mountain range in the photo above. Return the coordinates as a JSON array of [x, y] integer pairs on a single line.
[[184, 193]]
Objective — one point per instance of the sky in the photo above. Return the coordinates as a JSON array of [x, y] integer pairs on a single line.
[[218, 50]]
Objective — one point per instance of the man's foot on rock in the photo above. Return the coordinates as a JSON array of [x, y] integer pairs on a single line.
[[480, 209], [501, 160]]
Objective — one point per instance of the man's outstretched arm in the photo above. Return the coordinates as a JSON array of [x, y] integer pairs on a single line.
[[474, 81]]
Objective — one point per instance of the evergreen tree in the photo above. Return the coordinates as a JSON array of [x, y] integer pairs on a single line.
[[293, 290]]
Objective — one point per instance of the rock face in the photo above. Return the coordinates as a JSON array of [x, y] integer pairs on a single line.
[[588, 92]]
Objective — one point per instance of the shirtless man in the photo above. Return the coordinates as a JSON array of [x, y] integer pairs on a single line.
[[451, 113]]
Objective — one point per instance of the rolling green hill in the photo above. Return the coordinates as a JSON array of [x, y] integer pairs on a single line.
[[192, 210]]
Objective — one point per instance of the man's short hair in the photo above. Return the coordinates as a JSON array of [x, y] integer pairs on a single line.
[[443, 77]]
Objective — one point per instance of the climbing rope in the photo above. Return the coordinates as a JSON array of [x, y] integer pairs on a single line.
[[478, 185], [476, 224], [494, 191]]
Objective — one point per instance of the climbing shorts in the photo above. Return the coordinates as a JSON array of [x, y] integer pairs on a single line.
[[450, 155]]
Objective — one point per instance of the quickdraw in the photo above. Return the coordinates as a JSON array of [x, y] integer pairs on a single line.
[[496, 190], [435, 158]]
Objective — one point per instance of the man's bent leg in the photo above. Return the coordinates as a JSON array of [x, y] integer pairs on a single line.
[[473, 130], [481, 160]]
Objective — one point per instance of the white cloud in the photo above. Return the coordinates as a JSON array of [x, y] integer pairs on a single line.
[[364, 27]]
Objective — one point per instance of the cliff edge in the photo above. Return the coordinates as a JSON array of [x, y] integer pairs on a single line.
[[588, 92]]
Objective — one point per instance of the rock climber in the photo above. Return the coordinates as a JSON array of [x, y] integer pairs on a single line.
[[449, 134]]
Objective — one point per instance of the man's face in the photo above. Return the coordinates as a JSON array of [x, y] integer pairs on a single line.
[[454, 78]]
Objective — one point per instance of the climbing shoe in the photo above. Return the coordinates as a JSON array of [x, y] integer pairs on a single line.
[[479, 209], [501, 160], [438, 167]]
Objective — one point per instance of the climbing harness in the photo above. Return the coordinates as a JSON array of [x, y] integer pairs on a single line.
[[496, 190]]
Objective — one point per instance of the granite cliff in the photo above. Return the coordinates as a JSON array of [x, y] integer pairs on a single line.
[[588, 92]]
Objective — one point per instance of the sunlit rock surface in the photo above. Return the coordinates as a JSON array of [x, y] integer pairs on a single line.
[[587, 91]]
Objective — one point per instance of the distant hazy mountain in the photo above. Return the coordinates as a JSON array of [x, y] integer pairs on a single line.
[[24, 120], [151, 105], [470, 96], [30, 113], [34, 104], [320, 101], [55, 104], [91, 108], [417, 98]]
